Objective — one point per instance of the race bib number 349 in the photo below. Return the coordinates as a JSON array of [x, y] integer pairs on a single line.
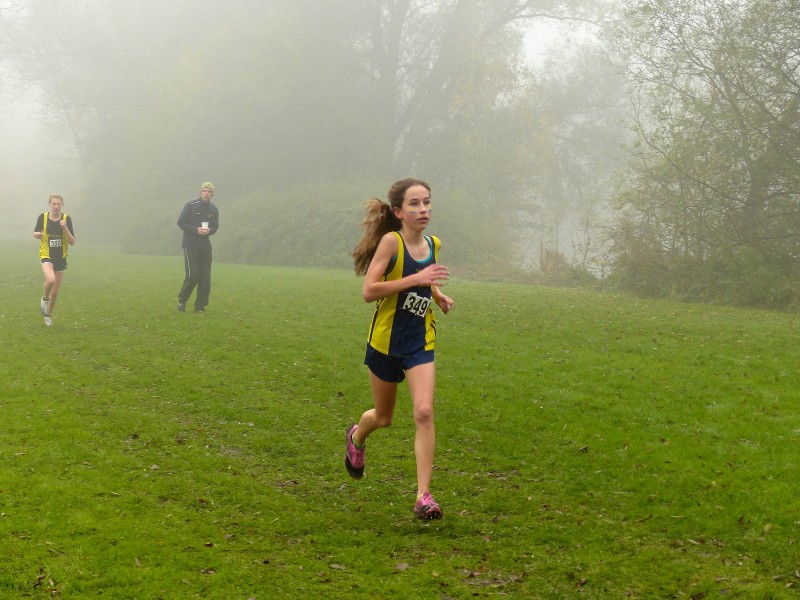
[[416, 304]]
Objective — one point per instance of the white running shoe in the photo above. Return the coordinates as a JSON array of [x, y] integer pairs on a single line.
[[43, 305], [48, 321]]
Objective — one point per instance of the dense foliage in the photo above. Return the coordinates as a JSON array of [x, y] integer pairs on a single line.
[[711, 210]]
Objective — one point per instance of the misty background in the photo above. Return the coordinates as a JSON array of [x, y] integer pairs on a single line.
[[641, 145]]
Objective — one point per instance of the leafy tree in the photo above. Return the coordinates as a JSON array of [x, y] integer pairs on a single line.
[[714, 189]]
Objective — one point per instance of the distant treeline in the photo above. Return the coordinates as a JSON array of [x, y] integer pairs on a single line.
[[655, 149]]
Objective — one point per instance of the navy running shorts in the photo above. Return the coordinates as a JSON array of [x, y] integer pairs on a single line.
[[59, 264], [393, 368]]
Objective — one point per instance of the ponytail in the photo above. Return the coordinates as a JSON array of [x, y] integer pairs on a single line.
[[378, 221]]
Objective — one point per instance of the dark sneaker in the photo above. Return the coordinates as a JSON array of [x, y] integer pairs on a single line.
[[197, 310], [353, 457], [181, 306], [427, 508], [43, 306]]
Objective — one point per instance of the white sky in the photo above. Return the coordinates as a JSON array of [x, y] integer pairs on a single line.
[[539, 41]]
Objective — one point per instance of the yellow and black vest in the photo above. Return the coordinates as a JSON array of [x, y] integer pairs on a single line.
[[404, 324], [54, 242]]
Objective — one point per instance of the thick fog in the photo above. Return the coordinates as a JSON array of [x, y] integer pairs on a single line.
[[37, 158], [136, 103], [564, 142], [33, 165]]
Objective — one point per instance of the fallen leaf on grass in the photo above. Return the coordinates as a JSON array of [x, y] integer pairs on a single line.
[[471, 574], [208, 571], [400, 567], [338, 567]]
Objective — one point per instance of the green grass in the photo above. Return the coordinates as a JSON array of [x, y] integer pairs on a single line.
[[589, 445]]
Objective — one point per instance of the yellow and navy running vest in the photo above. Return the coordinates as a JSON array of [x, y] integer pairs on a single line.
[[404, 324], [54, 242]]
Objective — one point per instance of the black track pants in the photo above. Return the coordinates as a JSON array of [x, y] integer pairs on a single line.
[[198, 273]]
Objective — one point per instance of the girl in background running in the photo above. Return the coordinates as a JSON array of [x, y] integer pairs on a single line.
[[54, 230], [403, 277]]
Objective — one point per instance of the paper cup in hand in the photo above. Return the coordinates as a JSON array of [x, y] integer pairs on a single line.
[[204, 224]]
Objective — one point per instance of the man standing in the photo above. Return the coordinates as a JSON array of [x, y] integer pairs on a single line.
[[199, 219]]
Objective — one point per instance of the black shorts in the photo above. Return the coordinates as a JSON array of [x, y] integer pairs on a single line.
[[59, 264], [393, 368]]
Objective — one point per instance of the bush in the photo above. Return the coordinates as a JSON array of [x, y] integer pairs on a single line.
[[737, 276], [318, 225]]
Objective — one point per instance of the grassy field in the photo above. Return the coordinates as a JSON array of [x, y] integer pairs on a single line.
[[589, 445]]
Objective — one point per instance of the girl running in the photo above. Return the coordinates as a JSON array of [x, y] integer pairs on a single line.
[[54, 230], [402, 276]]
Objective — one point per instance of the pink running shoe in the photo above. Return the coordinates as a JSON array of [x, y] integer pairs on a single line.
[[353, 457], [427, 508]]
